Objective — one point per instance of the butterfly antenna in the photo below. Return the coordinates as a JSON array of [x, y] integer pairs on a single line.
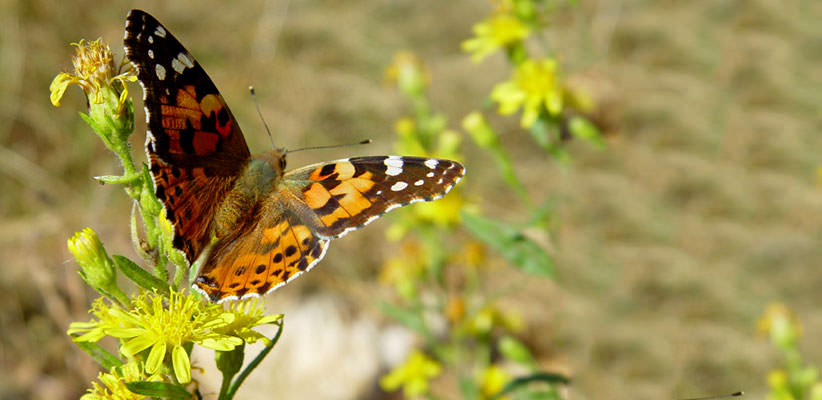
[[333, 146], [260, 113], [725, 396]]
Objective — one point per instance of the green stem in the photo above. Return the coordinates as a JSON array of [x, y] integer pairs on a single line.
[[232, 390]]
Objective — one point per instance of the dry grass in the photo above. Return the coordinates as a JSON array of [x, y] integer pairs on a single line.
[[673, 239]]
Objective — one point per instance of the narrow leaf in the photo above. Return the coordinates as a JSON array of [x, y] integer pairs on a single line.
[[585, 130], [99, 354], [511, 244], [138, 275], [164, 390], [116, 179], [544, 377], [516, 351]]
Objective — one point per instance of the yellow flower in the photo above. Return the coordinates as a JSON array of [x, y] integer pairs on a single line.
[[489, 317], [114, 383], [413, 375], [534, 87], [95, 73], [781, 325], [164, 325], [408, 72], [405, 269], [93, 331], [493, 33], [493, 381], [248, 314]]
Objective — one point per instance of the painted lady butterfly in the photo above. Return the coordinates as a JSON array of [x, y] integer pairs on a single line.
[[267, 225]]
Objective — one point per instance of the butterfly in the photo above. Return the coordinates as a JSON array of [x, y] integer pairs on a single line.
[[255, 225]]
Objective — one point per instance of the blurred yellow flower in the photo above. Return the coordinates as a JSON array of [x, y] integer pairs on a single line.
[[493, 380], [493, 33], [781, 324], [402, 271], [534, 87], [489, 317], [114, 383], [408, 72], [95, 73], [413, 375]]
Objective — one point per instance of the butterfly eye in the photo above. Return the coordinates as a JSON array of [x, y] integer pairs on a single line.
[[282, 163]]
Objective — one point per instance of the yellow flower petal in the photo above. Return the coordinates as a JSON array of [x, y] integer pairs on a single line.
[[155, 357], [58, 87], [182, 365], [137, 344], [224, 343]]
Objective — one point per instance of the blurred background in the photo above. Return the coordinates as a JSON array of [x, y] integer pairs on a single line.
[[704, 206]]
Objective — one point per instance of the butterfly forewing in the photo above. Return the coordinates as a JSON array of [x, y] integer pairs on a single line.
[[194, 146], [343, 195]]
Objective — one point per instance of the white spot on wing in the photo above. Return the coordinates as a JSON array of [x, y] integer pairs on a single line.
[[160, 31], [151, 54], [431, 163], [430, 174], [150, 39], [399, 186], [393, 165], [186, 60], [419, 182], [160, 71], [178, 66]]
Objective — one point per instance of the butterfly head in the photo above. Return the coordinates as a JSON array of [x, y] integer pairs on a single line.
[[275, 159]]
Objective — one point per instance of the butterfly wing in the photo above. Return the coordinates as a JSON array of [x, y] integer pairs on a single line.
[[290, 231], [339, 196], [274, 248], [195, 147]]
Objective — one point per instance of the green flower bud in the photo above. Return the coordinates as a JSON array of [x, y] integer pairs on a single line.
[[96, 268]]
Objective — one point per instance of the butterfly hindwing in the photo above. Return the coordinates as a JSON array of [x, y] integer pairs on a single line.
[[339, 196], [274, 249], [194, 145]]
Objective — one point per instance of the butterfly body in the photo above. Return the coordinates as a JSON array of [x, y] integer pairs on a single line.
[[255, 184], [255, 225]]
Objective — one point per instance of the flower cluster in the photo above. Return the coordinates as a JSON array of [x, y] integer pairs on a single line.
[[157, 328]]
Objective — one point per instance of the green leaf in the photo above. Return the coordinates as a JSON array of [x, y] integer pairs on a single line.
[[116, 179], [408, 318], [521, 382], [138, 275], [585, 130], [164, 390], [99, 354], [516, 351], [510, 243]]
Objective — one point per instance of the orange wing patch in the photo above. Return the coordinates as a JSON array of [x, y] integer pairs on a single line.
[[258, 262]]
